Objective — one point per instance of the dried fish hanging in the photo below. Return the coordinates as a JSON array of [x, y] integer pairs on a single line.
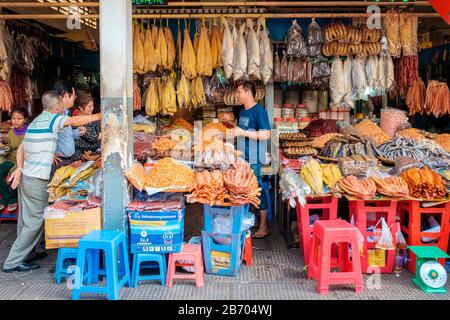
[[188, 57]]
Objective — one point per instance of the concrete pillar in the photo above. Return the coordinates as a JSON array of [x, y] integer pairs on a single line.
[[116, 99]]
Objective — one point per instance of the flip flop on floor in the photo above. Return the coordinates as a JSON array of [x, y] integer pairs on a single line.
[[261, 235]]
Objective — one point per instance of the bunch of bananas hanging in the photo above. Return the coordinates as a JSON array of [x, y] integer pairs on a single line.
[[311, 172], [331, 174]]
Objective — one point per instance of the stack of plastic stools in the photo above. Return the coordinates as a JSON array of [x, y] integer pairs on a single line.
[[368, 213], [230, 245], [190, 256], [324, 235], [410, 213], [63, 255], [328, 205], [139, 258], [109, 242], [248, 249]]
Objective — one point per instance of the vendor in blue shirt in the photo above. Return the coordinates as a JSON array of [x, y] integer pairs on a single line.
[[65, 148], [253, 133]]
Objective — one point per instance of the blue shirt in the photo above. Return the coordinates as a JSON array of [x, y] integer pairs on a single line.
[[253, 119], [66, 140]]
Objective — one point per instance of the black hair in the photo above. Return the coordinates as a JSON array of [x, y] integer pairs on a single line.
[[248, 85], [62, 87], [22, 111]]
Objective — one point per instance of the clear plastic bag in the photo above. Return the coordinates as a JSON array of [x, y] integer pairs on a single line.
[[386, 242], [337, 82], [400, 239], [314, 34], [408, 33], [359, 80], [314, 51], [296, 45], [136, 175]]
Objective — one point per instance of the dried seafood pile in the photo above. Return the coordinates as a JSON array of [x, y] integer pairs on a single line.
[[208, 188], [238, 185], [347, 145], [360, 188], [242, 184], [425, 183], [215, 154], [404, 147], [371, 132], [393, 187], [168, 173]]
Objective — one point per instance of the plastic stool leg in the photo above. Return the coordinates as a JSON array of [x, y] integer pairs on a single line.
[[163, 270], [136, 271], [93, 265], [170, 271], [324, 271], [79, 277], [59, 266], [124, 263], [198, 267], [112, 277]]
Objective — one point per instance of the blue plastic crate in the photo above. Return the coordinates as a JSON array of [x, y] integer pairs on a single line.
[[235, 251], [235, 212], [156, 232]]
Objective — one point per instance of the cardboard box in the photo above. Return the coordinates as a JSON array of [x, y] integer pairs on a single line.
[[156, 232], [65, 229]]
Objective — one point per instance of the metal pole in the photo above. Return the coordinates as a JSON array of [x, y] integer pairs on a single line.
[[116, 83], [229, 4], [202, 15]]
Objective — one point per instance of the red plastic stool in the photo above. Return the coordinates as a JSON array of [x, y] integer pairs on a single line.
[[362, 211], [328, 205], [248, 250], [324, 235], [410, 213], [190, 252]]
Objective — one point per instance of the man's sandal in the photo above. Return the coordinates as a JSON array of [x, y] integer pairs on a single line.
[[261, 235]]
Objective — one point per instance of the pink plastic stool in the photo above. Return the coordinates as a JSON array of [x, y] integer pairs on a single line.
[[190, 252], [325, 233]]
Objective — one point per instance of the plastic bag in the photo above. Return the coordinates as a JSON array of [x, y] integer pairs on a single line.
[[292, 186], [136, 175], [408, 25], [296, 45], [401, 242], [284, 67], [223, 224], [385, 242], [347, 101], [314, 33], [277, 68]]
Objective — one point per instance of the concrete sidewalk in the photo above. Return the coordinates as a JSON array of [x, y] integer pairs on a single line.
[[276, 274]]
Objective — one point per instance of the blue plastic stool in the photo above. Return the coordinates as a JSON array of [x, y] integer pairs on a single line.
[[235, 249], [63, 255], [108, 241], [266, 193], [139, 258], [236, 213]]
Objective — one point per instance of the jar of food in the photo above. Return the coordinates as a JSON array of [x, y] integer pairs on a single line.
[[323, 115], [277, 110], [310, 98], [292, 122], [323, 100], [288, 111], [334, 114], [301, 113], [303, 123]]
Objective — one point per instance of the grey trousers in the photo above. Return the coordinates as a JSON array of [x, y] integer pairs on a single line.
[[33, 198]]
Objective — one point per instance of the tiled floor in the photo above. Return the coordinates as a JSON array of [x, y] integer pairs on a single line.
[[276, 274]]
